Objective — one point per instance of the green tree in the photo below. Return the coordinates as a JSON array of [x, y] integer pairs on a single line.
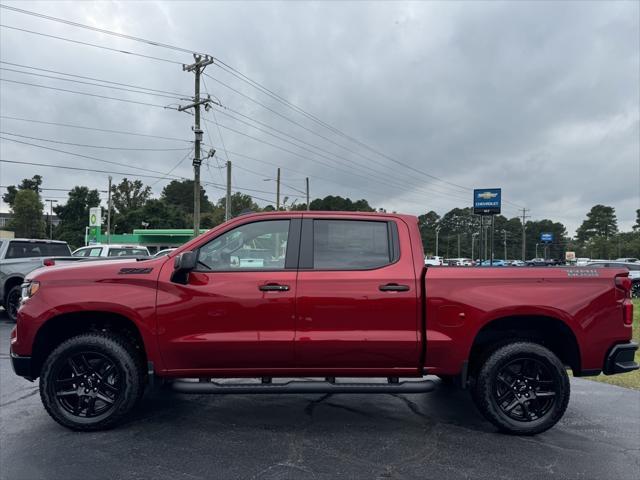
[[240, 202], [74, 215], [427, 224], [129, 195], [160, 214], [601, 221], [27, 210], [180, 194], [556, 248], [32, 184], [338, 203], [636, 227]]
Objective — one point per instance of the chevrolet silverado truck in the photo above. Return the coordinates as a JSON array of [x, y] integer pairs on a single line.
[[336, 300]]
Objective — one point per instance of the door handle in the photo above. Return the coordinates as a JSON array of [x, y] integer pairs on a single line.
[[273, 287], [393, 287]]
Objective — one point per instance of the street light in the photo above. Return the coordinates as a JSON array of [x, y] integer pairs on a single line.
[[51, 202]]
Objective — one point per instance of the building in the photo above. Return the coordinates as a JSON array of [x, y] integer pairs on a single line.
[[5, 219], [153, 239]]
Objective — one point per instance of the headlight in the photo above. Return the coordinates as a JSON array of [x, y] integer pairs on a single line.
[[29, 289]]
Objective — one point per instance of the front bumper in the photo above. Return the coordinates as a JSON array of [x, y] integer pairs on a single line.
[[21, 366], [621, 359]]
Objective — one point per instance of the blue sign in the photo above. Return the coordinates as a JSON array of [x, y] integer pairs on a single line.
[[546, 237], [487, 201]]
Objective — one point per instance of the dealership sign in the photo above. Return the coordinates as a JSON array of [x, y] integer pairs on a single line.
[[546, 237], [487, 201]]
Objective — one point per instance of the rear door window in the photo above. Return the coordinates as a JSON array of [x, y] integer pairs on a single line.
[[351, 244], [125, 251], [36, 249]]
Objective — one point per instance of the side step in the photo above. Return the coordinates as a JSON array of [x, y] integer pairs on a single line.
[[304, 386]]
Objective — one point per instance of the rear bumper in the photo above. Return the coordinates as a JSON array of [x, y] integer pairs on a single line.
[[21, 366], [621, 359]]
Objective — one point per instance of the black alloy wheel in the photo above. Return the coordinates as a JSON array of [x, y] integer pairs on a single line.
[[88, 385], [525, 390]]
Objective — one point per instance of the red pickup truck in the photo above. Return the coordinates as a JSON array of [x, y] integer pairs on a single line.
[[324, 295]]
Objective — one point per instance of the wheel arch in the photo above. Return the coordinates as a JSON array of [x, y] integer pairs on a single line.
[[67, 325], [9, 283], [548, 331]]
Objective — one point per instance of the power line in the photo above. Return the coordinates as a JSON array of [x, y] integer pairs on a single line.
[[97, 146], [174, 167], [88, 44], [88, 94], [41, 75], [68, 125]]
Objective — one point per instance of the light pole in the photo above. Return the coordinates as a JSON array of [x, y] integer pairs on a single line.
[[536, 250], [504, 233], [437, 235], [473, 243], [51, 202]]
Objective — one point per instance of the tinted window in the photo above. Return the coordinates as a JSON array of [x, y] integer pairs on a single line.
[[258, 245], [120, 252], [81, 253], [350, 244], [36, 249]]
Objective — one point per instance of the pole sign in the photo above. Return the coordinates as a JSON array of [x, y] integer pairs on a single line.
[[487, 201], [95, 217], [546, 237]]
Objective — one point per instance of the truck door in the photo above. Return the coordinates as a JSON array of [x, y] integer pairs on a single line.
[[237, 308], [357, 302]]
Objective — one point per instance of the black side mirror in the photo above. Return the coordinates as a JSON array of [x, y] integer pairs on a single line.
[[182, 265]]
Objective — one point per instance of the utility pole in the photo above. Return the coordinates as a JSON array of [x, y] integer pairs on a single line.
[[307, 181], [227, 207], [278, 190], [504, 232], [473, 244], [524, 238], [437, 235], [109, 213], [51, 202], [458, 245], [197, 68]]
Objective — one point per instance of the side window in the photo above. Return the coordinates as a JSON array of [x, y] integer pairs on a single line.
[[351, 244], [257, 245], [95, 252], [81, 253]]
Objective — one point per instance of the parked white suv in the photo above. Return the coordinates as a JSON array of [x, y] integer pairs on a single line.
[[111, 250], [431, 260]]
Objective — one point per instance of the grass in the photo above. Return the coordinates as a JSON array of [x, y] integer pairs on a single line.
[[631, 379]]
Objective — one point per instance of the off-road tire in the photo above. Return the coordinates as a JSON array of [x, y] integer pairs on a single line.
[[127, 363], [485, 388]]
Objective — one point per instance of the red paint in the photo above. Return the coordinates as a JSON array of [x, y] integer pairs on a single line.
[[329, 323]]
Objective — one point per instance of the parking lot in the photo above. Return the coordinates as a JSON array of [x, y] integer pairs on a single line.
[[428, 436]]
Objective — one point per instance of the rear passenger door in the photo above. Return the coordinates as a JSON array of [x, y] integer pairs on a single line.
[[357, 301]]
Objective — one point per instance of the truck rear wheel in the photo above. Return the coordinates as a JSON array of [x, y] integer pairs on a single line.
[[12, 302], [522, 388], [91, 381]]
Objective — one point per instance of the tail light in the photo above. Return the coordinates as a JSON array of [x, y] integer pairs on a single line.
[[49, 262], [623, 282], [627, 314]]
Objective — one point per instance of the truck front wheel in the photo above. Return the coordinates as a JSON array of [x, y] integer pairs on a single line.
[[91, 381], [522, 388]]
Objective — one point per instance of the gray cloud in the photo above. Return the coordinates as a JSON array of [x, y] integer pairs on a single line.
[[539, 98]]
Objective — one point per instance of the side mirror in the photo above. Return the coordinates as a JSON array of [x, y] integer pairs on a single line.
[[182, 265]]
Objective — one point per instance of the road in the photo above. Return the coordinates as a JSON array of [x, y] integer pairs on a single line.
[[428, 436]]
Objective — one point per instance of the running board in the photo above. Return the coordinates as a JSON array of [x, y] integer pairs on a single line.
[[185, 386]]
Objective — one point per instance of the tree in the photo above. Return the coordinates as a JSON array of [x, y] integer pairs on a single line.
[[601, 221], [636, 227], [180, 194], [556, 248], [129, 195], [338, 203], [427, 224], [160, 214], [32, 183], [240, 202], [27, 210], [74, 215]]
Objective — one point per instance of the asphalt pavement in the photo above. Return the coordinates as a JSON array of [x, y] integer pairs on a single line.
[[438, 435]]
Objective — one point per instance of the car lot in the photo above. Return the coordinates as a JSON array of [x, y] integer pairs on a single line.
[[428, 436]]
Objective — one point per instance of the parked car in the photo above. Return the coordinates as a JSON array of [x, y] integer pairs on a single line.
[[162, 252], [496, 263], [632, 267], [317, 294], [111, 250], [433, 260], [628, 260], [537, 262], [581, 262], [18, 257], [458, 262], [518, 263]]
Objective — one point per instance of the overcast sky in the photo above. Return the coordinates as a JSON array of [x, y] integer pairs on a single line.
[[541, 99]]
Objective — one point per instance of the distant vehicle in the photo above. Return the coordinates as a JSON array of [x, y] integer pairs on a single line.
[[581, 262], [634, 272], [459, 262], [112, 250], [628, 260], [159, 253], [18, 257], [518, 263], [433, 260], [496, 263], [537, 262]]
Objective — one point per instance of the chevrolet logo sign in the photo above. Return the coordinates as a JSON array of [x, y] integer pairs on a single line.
[[487, 195]]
